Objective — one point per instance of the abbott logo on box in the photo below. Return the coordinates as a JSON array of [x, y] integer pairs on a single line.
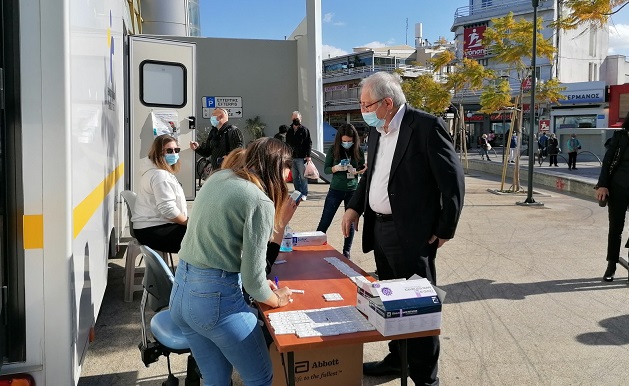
[[304, 366]]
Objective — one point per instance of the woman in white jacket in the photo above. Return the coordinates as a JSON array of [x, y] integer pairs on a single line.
[[160, 214]]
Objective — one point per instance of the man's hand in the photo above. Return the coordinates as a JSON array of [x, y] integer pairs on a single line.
[[194, 145], [440, 242], [349, 217], [602, 193], [307, 159]]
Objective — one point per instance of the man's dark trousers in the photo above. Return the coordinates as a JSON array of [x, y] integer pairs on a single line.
[[393, 262]]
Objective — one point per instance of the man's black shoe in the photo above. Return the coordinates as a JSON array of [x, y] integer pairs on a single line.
[[377, 369]]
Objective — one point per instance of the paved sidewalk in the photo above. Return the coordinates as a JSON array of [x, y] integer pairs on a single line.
[[525, 303]]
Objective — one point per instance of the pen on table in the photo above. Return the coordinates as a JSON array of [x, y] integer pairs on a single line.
[[277, 282]]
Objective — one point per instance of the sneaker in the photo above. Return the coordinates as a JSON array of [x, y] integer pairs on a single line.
[[304, 198]]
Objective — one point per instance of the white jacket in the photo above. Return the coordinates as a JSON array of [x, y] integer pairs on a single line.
[[160, 198]]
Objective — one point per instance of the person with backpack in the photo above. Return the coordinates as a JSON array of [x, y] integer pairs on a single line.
[[222, 139]]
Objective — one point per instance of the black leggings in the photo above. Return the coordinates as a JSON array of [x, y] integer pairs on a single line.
[[617, 208], [163, 238]]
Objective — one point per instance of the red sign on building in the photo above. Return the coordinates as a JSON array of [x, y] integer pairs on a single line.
[[544, 125], [473, 44]]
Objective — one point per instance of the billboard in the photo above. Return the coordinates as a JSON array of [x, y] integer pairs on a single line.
[[473, 44]]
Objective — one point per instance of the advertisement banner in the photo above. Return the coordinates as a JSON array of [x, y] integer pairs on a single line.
[[473, 44]]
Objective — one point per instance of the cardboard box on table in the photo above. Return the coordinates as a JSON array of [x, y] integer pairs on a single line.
[[401, 306], [342, 365], [307, 239]]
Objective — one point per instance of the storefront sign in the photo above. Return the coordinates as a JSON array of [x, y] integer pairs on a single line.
[[473, 44], [583, 92], [544, 125], [338, 87]]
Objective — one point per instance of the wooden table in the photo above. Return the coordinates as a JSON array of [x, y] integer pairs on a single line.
[[306, 269]]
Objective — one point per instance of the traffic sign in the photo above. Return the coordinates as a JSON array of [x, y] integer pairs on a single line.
[[228, 101], [212, 102], [234, 113]]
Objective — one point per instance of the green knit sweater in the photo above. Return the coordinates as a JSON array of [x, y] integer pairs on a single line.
[[229, 228]]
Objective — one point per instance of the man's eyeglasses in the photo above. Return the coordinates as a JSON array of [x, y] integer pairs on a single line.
[[171, 150], [364, 106]]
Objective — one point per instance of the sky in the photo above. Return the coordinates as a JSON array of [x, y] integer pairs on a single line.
[[349, 23]]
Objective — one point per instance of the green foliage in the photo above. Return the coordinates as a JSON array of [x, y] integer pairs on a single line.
[[497, 96], [549, 92], [594, 13], [425, 93], [255, 126], [511, 41]]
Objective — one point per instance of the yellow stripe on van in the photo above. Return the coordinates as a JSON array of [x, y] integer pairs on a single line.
[[33, 231], [34, 223], [85, 210]]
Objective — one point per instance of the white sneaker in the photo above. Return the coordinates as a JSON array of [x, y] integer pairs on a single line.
[[304, 198]]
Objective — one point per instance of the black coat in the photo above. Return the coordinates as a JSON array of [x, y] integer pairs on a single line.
[[426, 184], [221, 142]]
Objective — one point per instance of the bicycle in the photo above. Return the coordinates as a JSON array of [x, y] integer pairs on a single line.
[[204, 169]]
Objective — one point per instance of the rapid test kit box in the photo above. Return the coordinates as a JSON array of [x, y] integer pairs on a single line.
[[401, 306], [307, 239]]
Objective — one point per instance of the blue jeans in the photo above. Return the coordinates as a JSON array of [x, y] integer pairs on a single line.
[[208, 306], [299, 181], [332, 202]]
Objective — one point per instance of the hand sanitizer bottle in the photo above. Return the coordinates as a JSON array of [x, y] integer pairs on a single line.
[[287, 241]]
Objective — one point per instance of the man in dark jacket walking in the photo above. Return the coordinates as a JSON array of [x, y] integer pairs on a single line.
[[298, 138], [222, 139]]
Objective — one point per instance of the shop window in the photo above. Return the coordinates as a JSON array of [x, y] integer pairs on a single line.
[[163, 84], [575, 121]]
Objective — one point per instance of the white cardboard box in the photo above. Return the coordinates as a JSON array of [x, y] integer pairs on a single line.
[[306, 239], [401, 306]]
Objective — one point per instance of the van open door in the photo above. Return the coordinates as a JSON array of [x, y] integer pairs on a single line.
[[162, 81]]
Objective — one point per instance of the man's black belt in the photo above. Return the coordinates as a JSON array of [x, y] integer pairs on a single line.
[[383, 217]]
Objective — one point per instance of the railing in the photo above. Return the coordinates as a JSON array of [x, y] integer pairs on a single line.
[[407, 68], [502, 7]]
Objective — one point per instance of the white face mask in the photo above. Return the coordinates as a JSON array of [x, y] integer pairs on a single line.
[[372, 119]]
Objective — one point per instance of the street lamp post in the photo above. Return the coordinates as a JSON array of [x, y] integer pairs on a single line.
[[529, 194]]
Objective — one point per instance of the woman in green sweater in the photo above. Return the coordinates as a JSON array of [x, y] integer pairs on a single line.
[[225, 248], [345, 160]]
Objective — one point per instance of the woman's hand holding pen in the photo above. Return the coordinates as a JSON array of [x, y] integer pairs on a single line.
[[282, 295]]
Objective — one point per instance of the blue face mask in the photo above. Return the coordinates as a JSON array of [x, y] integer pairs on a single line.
[[171, 159], [214, 121], [347, 145], [372, 119]]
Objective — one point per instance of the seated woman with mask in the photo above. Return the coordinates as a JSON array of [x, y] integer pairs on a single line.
[[160, 214]]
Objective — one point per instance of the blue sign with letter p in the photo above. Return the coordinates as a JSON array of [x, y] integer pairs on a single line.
[[210, 102]]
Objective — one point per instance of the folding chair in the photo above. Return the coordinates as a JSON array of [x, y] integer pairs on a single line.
[[157, 284]]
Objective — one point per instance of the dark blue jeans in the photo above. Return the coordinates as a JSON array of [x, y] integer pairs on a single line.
[[332, 202]]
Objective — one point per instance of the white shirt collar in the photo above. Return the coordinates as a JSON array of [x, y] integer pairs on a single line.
[[396, 121]]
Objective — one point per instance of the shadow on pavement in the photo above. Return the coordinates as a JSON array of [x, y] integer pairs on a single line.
[[485, 289], [616, 334]]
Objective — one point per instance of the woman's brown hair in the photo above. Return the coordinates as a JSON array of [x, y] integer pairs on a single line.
[[264, 163], [346, 129], [156, 153]]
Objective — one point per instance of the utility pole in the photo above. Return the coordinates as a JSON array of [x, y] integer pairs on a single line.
[[529, 194]]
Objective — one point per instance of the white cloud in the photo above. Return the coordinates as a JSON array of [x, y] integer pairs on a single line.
[[619, 39], [374, 44], [330, 51], [327, 18]]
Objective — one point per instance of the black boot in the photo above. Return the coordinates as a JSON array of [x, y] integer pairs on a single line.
[[610, 271]]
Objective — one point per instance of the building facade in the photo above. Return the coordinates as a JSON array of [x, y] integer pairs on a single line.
[[581, 57]]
